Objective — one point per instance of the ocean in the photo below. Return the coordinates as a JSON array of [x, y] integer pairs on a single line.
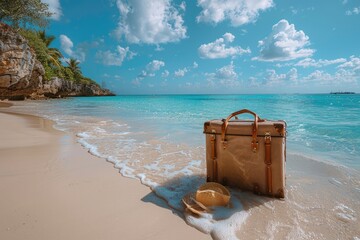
[[159, 139]]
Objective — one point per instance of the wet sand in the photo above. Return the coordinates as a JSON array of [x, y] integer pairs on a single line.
[[52, 188]]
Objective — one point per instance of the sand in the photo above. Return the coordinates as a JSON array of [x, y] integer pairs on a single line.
[[52, 188]]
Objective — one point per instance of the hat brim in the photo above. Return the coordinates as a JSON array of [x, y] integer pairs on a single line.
[[193, 205]]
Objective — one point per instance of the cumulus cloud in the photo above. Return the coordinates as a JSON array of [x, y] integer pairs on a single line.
[[221, 49], [151, 22], [224, 76], [180, 72], [149, 71], [353, 64], [309, 62], [228, 37], [284, 43], [195, 65], [273, 78], [347, 76], [67, 46], [348, 72], [238, 12], [115, 58], [165, 74], [318, 76], [154, 65], [55, 8]]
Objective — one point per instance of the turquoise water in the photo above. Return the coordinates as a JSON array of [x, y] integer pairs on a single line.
[[322, 126], [159, 140]]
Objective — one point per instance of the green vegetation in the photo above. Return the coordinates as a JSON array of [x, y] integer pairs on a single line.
[[73, 65], [50, 58], [20, 13], [35, 13]]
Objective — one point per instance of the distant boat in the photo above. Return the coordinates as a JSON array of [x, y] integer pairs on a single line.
[[342, 93]]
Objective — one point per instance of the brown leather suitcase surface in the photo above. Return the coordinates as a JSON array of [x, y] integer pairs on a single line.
[[248, 154]]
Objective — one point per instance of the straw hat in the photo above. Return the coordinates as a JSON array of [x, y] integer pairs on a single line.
[[208, 195]]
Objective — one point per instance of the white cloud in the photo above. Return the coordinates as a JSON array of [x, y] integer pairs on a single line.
[[149, 71], [151, 22], [309, 62], [115, 58], [143, 74], [228, 37], [273, 78], [318, 76], [293, 75], [284, 43], [159, 48], [221, 49], [353, 64], [55, 8], [294, 11], [180, 72], [238, 12], [139, 78], [195, 65], [347, 76], [165, 74], [67, 46], [225, 76], [354, 11], [183, 6], [155, 65], [346, 73]]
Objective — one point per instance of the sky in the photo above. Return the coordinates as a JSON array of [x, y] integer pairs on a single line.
[[212, 46]]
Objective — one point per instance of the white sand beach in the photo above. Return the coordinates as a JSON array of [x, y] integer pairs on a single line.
[[48, 192]]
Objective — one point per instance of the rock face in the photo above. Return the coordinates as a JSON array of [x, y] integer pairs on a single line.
[[22, 75], [17, 60], [58, 87]]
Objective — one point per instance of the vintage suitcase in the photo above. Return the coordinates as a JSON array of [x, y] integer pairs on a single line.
[[248, 154]]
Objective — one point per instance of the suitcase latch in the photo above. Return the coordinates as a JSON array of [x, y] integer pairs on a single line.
[[225, 144], [254, 145]]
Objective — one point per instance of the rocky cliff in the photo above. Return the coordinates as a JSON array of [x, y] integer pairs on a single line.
[[22, 75]]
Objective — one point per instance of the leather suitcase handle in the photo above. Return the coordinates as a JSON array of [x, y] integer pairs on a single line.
[[254, 143]]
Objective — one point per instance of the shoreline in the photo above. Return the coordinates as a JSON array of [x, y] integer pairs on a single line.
[[54, 189]]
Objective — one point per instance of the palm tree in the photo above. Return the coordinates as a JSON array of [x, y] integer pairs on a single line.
[[53, 54], [73, 65], [47, 39]]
